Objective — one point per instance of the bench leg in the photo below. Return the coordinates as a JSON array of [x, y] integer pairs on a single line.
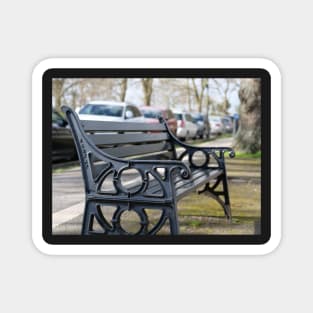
[[93, 213], [173, 219], [227, 208], [88, 217], [216, 195]]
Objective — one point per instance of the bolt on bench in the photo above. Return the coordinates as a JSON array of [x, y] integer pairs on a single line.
[[168, 170]]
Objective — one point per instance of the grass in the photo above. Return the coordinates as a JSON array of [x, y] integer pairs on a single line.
[[225, 135], [201, 215], [243, 155]]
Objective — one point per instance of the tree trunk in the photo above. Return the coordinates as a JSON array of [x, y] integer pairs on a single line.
[[207, 102], [198, 96], [188, 95], [248, 138], [57, 88], [147, 90], [206, 108], [123, 89]]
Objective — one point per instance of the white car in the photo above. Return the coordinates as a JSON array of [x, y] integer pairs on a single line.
[[110, 111], [217, 126], [186, 128]]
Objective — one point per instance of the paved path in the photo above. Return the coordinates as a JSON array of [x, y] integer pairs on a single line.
[[221, 142]]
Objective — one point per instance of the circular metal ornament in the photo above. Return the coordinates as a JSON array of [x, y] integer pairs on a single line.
[[133, 188], [198, 158], [121, 226]]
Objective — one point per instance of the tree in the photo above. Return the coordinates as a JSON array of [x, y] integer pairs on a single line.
[[248, 137], [224, 87], [188, 90], [60, 86], [198, 90], [123, 89], [172, 93], [147, 90], [207, 102], [77, 92]]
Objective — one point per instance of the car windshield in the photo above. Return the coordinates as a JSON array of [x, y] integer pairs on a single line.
[[103, 109], [178, 116], [226, 121], [215, 119], [151, 114], [198, 118]]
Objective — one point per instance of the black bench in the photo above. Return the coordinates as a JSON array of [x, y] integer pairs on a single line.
[[168, 169]]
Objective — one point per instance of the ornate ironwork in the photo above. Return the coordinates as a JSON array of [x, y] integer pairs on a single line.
[[215, 153], [155, 175], [137, 199]]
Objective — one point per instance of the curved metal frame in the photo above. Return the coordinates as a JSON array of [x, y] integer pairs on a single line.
[[218, 154], [122, 198], [138, 199]]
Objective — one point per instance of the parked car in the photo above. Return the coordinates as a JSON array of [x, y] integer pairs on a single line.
[[151, 115], [110, 111], [63, 147], [203, 129], [228, 124], [217, 126], [186, 129]]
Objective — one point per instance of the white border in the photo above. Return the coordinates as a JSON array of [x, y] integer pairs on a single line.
[[156, 249]]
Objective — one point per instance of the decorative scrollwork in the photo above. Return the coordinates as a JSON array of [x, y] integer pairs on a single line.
[[155, 189], [148, 173], [122, 224], [218, 153], [117, 221]]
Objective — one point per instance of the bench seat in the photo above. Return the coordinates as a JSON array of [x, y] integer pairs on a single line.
[[197, 179]]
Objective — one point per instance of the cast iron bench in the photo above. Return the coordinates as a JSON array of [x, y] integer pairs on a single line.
[[168, 170]]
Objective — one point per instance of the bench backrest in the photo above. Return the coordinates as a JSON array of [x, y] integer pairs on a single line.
[[130, 139], [127, 139]]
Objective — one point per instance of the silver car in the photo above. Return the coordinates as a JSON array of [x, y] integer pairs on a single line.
[[110, 111], [217, 126], [186, 128]]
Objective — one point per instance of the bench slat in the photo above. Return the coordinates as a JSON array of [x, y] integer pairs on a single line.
[[186, 188], [165, 155], [154, 186], [120, 126], [126, 151], [182, 187], [112, 139]]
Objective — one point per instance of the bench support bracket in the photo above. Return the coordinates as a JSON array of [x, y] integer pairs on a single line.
[[93, 213], [216, 195]]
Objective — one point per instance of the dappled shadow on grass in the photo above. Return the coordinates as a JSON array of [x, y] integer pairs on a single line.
[[200, 214]]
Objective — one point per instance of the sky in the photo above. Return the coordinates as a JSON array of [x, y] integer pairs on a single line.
[[135, 95]]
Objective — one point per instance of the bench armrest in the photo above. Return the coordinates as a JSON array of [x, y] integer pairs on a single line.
[[210, 150], [172, 166], [218, 153], [164, 172]]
